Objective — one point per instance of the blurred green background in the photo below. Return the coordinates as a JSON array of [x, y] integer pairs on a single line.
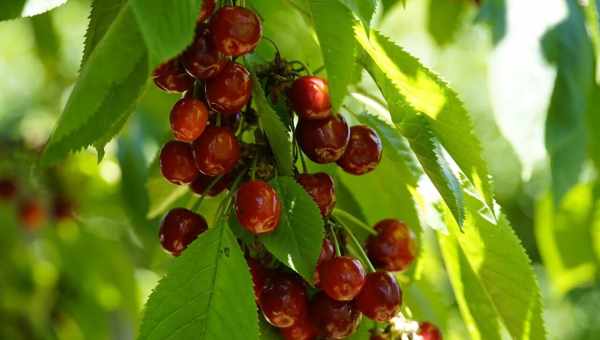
[[88, 277]]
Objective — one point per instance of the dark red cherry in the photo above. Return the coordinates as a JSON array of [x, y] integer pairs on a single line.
[[230, 120], [177, 163], [217, 151], [258, 207], [202, 182], [380, 298], [333, 319], [179, 228], [283, 300], [341, 277], [230, 90], [321, 188], [8, 189], [235, 30], [32, 214], [393, 248], [172, 77], [207, 9], [201, 59], [62, 208], [327, 253], [363, 153], [324, 140], [189, 117], [303, 329], [309, 97], [260, 275], [429, 331]]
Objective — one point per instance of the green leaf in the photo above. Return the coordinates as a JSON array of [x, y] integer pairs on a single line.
[[364, 9], [445, 19], [102, 15], [167, 26], [297, 240], [11, 9], [491, 275], [104, 96], [333, 24], [278, 136], [493, 13], [410, 89], [207, 294]]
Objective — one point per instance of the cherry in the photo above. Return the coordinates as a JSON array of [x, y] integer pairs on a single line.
[[177, 163], [32, 214], [333, 319], [201, 59], [8, 189], [171, 77], [230, 90], [324, 140], [258, 207], [393, 248], [189, 117], [179, 228], [327, 253], [341, 277], [321, 188], [429, 331], [235, 30], [303, 329], [202, 182], [62, 208], [259, 274], [363, 153], [380, 297], [208, 7], [217, 151], [283, 300], [309, 97]]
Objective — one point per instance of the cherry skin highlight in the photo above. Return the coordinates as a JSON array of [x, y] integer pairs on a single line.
[[380, 298], [177, 163], [393, 248], [341, 278], [324, 140], [202, 60], [258, 207], [321, 188], [188, 119], [179, 228], [217, 151], [303, 329], [429, 331], [283, 300], [309, 97], [364, 151], [235, 30], [230, 90], [333, 319], [172, 77]]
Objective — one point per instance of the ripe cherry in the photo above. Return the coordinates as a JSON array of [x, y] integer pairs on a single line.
[[260, 274], [8, 189], [429, 331], [283, 300], [62, 208], [393, 248], [333, 319], [341, 277], [189, 117], [321, 188], [230, 90], [309, 97], [324, 140], [327, 253], [235, 30], [258, 207], [179, 228], [202, 182], [177, 163], [217, 151], [207, 9], [201, 59], [380, 298], [363, 153], [303, 329], [32, 214], [171, 77]]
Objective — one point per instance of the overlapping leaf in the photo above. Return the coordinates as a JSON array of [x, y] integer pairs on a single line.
[[445, 19], [11, 9]]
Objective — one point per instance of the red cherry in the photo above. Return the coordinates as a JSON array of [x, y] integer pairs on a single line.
[[8, 189], [283, 300], [321, 188], [260, 274], [62, 208], [188, 119], [230, 90], [342, 277], [380, 298], [325, 140], [207, 9], [202, 182], [217, 151], [309, 97], [201, 59], [258, 207], [303, 329], [32, 214], [429, 331], [327, 253], [177, 163], [393, 248], [179, 228], [333, 319], [235, 30], [171, 77], [363, 153]]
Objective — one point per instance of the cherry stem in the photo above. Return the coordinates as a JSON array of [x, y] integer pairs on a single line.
[[205, 191], [219, 119], [319, 70], [274, 45], [253, 167], [336, 243], [357, 244], [303, 65], [224, 207]]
